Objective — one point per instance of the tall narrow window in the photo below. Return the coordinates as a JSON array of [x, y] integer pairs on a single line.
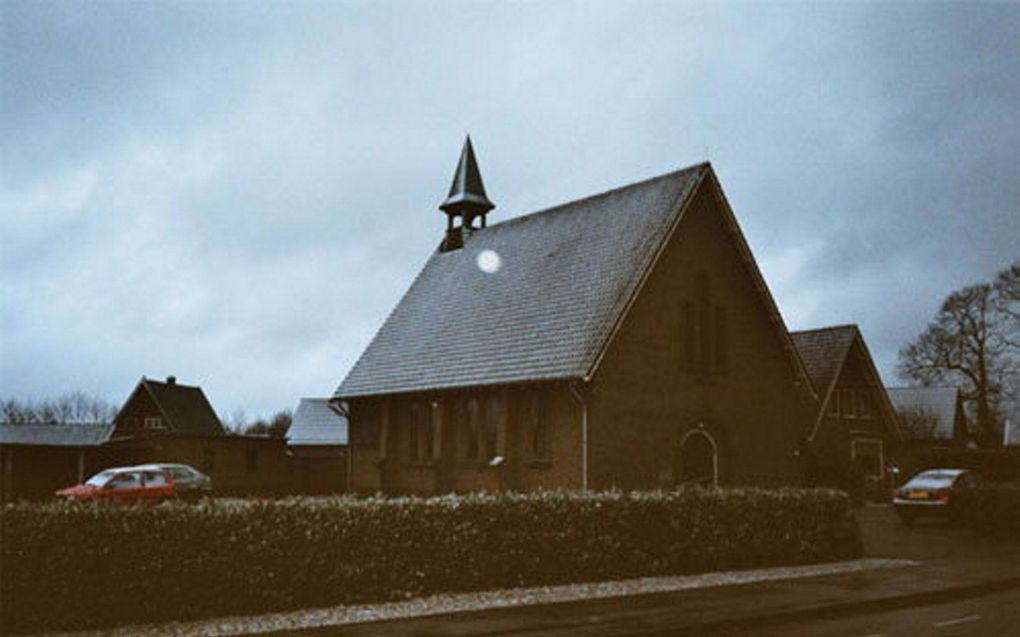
[[490, 438], [863, 404], [473, 429], [428, 438], [704, 323], [846, 404], [720, 338], [421, 439], [688, 355], [537, 427], [414, 425]]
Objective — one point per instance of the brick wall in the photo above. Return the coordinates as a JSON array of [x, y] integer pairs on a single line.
[[645, 396]]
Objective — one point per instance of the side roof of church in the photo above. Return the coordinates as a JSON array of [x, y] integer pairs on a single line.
[[533, 298]]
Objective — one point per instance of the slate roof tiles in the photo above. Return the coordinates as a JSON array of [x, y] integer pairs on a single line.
[[565, 277], [317, 422], [823, 351]]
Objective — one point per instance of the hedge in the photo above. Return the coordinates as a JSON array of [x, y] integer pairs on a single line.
[[76, 567], [994, 511]]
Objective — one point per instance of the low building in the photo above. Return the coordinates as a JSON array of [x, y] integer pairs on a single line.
[[36, 460], [317, 443], [165, 421]]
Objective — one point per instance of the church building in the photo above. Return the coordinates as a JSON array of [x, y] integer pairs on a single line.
[[625, 340]]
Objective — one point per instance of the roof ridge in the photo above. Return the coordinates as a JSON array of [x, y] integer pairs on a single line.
[[599, 195], [829, 328]]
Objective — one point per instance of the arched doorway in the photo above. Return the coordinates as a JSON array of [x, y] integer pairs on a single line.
[[697, 459]]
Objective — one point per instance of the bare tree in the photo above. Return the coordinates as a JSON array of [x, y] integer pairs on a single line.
[[917, 423], [1007, 303], [72, 408], [967, 344]]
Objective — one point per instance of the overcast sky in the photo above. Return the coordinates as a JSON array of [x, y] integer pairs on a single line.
[[238, 193]]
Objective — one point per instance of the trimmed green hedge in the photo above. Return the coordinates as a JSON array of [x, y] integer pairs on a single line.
[[75, 567], [994, 511]]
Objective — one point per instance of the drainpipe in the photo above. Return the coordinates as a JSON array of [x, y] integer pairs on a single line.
[[584, 434]]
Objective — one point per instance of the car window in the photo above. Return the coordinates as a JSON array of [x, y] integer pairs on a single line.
[[936, 475], [129, 480], [100, 478], [155, 479], [181, 474]]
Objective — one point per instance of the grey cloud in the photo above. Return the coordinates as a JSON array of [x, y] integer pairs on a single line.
[[238, 194]]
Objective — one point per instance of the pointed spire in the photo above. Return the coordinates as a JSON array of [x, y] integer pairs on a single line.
[[467, 194]]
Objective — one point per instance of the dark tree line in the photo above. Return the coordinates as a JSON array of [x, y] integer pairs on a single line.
[[276, 426], [72, 408], [974, 343]]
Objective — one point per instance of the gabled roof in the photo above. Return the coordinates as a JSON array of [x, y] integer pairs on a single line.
[[534, 298], [824, 352], [941, 403], [184, 407], [317, 422], [55, 435]]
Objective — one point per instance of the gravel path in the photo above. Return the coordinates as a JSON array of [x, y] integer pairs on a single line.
[[459, 602]]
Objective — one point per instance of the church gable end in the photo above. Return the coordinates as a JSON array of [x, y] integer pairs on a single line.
[[701, 349]]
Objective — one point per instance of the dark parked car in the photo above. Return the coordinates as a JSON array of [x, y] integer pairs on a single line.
[[189, 483], [123, 485], [936, 493]]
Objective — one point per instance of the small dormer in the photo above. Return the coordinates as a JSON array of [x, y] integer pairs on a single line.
[[466, 203]]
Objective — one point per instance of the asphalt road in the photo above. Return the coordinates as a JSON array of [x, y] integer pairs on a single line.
[[990, 616]]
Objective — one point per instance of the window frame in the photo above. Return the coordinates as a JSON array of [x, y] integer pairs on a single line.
[[539, 435], [846, 403], [863, 405]]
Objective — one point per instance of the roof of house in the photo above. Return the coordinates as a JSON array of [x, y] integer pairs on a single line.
[[823, 351], [534, 298], [939, 402], [317, 422], [185, 407], [79, 435]]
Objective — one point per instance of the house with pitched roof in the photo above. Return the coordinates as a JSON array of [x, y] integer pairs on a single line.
[[167, 421], [317, 444], [853, 429], [623, 340]]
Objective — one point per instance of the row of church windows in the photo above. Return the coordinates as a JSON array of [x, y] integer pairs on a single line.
[[475, 423], [704, 345]]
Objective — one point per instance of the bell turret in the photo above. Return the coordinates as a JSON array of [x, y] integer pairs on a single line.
[[467, 200]]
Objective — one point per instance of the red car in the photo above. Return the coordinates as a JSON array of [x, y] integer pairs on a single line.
[[125, 485]]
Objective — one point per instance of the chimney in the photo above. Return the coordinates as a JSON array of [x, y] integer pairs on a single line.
[[171, 380], [466, 202]]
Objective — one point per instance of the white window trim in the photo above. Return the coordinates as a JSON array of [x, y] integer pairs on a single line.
[[153, 422], [715, 451]]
